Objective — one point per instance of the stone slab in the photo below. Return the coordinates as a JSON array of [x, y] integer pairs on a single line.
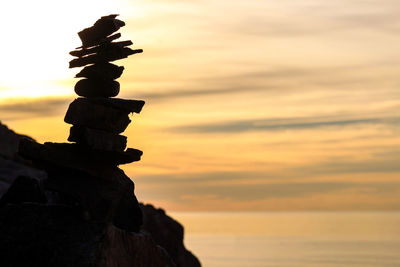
[[111, 54], [76, 157], [96, 115], [97, 139]]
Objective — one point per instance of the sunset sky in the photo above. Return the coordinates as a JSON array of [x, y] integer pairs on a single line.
[[250, 105]]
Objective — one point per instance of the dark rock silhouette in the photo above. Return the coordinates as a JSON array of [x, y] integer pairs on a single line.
[[13, 165], [82, 211], [54, 235], [107, 53], [97, 116], [24, 189], [100, 30], [97, 139], [97, 88], [168, 233], [101, 71]]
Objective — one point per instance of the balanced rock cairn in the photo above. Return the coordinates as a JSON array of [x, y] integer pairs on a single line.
[[85, 212], [97, 118], [86, 172]]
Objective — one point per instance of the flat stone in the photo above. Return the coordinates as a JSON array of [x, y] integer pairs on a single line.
[[127, 105], [97, 139], [111, 54], [106, 40], [96, 115], [96, 88], [101, 29], [101, 71], [76, 157], [96, 49]]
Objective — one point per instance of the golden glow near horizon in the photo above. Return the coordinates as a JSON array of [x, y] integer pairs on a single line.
[[274, 105]]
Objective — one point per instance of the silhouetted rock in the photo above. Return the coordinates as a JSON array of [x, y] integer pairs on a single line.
[[111, 54], [101, 71], [75, 156], [54, 235], [11, 164], [129, 106], [97, 139], [96, 49], [24, 189], [101, 29], [168, 233], [96, 115], [47, 236], [11, 169], [108, 39], [104, 199], [9, 141], [72, 227], [96, 88], [130, 249]]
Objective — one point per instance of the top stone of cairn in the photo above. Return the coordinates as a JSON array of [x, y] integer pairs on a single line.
[[100, 30]]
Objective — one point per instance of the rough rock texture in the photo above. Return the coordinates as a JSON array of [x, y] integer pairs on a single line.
[[102, 200], [11, 169], [11, 164], [168, 233], [97, 116], [56, 235], [120, 248], [99, 48], [42, 235], [97, 139], [111, 54], [126, 105], [100, 30], [71, 230], [24, 189], [9, 141], [75, 156]]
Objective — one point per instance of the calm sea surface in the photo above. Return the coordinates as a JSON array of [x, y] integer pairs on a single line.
[[293, 238]]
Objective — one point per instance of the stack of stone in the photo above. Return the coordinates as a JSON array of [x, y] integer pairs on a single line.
[[97, 118], [86, 172], [85, 213]]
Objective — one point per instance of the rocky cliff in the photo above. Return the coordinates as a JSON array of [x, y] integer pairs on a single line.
[[51, 229]]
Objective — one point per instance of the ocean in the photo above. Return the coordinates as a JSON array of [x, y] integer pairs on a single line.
[[260, 239]]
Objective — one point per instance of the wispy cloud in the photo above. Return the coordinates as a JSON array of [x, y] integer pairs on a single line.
[[30, 108], [281, 124], [249, 192]]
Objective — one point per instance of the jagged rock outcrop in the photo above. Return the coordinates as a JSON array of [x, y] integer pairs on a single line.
[[9, 141], [55, 235], [167, 233], [11, 164]]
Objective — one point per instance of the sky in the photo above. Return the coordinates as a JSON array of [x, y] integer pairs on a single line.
[[251, 105]]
